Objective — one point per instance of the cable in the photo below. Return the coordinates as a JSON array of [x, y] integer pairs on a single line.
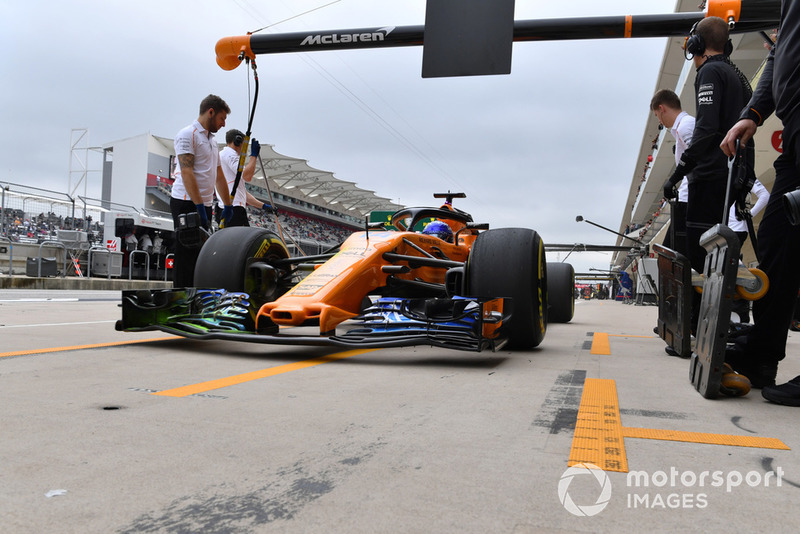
[[363, 106], [375, 116], [297, 16]]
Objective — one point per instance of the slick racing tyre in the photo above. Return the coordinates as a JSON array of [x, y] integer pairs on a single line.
[[510, 262], [560, 292], [226, 261]]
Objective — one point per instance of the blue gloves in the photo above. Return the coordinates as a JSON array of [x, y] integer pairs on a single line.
[[227, 215], [201, 210], [268, 207], [255, 148]]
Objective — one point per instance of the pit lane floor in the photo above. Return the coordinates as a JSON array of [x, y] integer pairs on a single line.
[[98, 432]]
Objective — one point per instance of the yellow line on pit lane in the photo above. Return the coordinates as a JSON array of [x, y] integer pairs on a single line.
[[202, 387], [599, 435], [601, 344], [81, 347]]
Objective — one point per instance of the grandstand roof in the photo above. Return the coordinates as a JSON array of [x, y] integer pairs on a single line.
[[317, 186], [296, 178]]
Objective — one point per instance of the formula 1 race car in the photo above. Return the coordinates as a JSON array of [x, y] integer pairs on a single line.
[[455, 284]]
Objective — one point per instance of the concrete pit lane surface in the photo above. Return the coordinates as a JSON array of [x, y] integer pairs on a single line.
[[104, 431]]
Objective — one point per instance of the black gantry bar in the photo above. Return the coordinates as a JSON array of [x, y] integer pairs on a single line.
[[763, 15], [382, 37]]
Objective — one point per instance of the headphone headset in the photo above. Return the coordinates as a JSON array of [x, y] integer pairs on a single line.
[[695, 45], [238, 140]]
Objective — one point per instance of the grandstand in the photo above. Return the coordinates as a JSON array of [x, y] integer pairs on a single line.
[[316, 210]]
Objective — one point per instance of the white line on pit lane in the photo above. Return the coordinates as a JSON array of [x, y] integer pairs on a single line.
[[54, 324], [40, 300]]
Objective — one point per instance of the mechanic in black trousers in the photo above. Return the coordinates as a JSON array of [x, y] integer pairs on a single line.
[[666, 106], [197, 173], [757, 354], [721, 91]]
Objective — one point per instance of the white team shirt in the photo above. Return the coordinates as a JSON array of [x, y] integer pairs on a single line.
[[229, 161], [763, 197], [682, 132], [196, 140]]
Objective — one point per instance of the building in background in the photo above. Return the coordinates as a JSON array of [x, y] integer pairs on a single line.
[[645, 215]]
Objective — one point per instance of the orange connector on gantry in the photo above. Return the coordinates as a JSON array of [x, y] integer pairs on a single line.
[[232, 50]]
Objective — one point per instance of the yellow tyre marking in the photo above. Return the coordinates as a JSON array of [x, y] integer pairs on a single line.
[[598, 435], [600, 344], [202, 387], [702, 437], [81, 347]]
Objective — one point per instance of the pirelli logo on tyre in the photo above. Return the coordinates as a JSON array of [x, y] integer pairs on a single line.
[[263, 248]]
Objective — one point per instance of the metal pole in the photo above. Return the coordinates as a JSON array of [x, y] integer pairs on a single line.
[[3, 213], [579, 219]]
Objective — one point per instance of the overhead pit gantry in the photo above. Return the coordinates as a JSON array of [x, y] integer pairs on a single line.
[[491, 30]]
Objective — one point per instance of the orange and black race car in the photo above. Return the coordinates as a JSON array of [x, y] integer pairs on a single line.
[[470, 288], [455, 284]]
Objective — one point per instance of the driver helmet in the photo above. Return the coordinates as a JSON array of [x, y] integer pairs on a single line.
[[439, 229]]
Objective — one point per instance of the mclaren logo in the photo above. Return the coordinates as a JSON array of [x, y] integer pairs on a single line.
[[341, 38]]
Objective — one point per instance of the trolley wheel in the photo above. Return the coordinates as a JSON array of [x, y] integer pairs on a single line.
[[733, 384], [761, 290]]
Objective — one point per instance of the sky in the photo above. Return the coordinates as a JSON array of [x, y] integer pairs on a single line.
[[556, 138]]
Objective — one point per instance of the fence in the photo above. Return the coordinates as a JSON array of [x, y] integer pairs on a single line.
[[44, 226], [36, 222], [30, 214]]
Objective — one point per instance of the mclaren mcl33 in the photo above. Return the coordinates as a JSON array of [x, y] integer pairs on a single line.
[[454, 284]]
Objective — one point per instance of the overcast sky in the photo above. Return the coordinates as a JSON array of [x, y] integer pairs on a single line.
[[556, 138]]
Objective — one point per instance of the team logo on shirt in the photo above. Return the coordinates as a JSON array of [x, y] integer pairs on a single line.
[[705, 94]]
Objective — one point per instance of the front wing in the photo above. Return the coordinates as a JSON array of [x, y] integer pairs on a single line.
[[461, 323]]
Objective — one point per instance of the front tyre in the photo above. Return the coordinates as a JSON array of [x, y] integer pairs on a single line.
[[226, 258], [510, 262]]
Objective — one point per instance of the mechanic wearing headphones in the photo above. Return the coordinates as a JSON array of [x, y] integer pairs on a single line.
[[229, 160], [721, 92]]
